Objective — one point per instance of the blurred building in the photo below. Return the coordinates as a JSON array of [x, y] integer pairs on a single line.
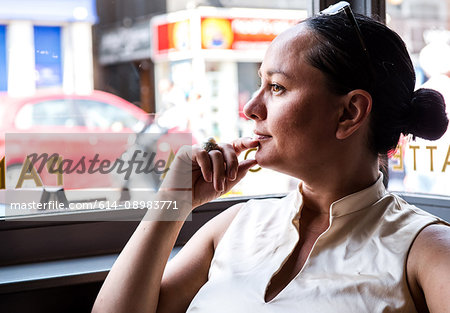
[[416, 20], [177, 5], [123, 46], [122, 49], [46, 44]]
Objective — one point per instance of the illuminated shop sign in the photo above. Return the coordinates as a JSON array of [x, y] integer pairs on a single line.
[[172, 37], [241, 33], [125, 44], [221, 30]]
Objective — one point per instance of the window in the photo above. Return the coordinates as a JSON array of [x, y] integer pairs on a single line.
[[50, 113], [67, 52], [105, 116], [420, 166], [48, 58], [3, 68]]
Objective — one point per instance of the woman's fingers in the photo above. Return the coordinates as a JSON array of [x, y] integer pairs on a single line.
[[242, 170], [242, 144], [212, 166], [244, 166], [218, 166], [204, 161], [231, 161], [221, 165]]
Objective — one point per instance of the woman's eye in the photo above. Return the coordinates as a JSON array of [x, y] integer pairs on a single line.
[[276, 88]]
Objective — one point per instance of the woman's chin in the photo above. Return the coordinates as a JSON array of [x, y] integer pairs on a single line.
[[263, 161], [269, 162]]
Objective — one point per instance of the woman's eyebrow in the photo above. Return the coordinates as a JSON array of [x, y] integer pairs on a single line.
[[273, 72]]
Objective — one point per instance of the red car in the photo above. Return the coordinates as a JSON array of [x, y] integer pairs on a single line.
[[82, 126], [98, 111], [68, 117]]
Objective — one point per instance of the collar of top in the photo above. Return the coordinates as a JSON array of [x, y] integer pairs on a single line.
[[355, 201]]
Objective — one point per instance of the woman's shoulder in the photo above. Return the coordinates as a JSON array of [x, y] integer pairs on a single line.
[[428, 256], [432, 247], [428, 268], [433, 238]]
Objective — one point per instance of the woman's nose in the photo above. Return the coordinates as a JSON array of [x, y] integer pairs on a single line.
[[255, 108]]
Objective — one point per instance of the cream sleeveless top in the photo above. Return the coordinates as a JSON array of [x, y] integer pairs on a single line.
[[356, 265]]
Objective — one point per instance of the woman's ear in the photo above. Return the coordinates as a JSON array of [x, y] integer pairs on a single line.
[[354, 112]]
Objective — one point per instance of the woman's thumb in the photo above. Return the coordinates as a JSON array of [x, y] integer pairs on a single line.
[[243, 168]]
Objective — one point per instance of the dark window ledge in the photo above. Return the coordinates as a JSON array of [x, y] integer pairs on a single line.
[[32, 276]]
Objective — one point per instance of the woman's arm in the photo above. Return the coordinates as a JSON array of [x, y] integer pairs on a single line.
[[428, 269], [188, 271], [135, 282], [134, 285]]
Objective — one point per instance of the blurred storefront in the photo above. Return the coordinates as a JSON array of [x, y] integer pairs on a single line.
[[46, 46], [421, 166], [206, 63], [126, 49], [122, 41]]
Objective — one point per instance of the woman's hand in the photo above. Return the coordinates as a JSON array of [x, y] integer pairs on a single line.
[[210, 174], [134, 282], [214, 173]]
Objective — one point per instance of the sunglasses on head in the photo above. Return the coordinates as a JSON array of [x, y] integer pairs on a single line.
[[344, 6]]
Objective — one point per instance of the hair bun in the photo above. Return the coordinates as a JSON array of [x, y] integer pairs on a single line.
[[427, 118]]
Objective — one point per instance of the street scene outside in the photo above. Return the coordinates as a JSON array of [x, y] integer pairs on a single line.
[[188, 67], [420, 166]]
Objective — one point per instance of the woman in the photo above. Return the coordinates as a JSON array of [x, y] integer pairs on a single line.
[[329, 104]]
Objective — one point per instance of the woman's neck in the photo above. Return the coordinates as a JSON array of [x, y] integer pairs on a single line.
[[320, 193]]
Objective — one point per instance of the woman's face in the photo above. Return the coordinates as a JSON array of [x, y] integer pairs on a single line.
[[295, 114]]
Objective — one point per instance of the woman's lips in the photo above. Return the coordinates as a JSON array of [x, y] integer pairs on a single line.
[[262, 137]]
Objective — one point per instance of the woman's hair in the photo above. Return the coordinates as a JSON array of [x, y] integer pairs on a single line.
[[387, 74]]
